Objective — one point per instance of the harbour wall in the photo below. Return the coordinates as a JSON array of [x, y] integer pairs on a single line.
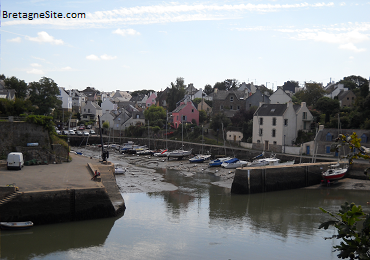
[[55, 206], [250, 180]]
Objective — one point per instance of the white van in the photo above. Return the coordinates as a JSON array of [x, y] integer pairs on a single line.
[[15, 161]]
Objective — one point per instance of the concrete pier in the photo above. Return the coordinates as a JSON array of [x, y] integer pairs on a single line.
[[250, 180], [59, 192]]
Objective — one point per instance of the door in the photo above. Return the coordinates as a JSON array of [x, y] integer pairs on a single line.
[[307, 150], [266, 145]]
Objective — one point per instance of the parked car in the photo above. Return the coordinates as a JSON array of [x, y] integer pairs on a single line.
[[58, 132], [81, 127], [15, 161], [86, 133], [79, 133], [65, 132], [92, 132], [88, 127], [71, 132]]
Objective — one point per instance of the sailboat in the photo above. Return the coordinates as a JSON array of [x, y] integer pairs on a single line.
[[181, 152], [200, 157]]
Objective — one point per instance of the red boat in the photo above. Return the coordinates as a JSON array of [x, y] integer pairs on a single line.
[[335, 172]]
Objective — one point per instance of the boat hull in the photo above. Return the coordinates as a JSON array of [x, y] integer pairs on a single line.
[[16, 225]]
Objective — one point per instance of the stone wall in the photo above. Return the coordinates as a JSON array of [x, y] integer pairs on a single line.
[[58, 206]]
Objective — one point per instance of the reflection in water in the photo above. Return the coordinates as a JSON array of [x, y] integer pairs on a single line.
[[197, 221]]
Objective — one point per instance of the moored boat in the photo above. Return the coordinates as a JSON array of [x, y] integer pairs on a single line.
[[335, 172], [233, 163], [16, 225], [199, 158], [163, 153], [179, 153], [218, 162]]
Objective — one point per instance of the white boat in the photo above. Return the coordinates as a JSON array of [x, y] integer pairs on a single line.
[[179, 153], [199, 158], [16, 225], [163, 153], [335, 172], [233, 163], [218, 162], [271, 161], [118, 169]]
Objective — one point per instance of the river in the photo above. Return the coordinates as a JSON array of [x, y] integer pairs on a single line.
[[197, 221]]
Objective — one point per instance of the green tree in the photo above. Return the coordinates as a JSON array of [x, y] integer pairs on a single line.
[[311, 94], [202, 116], [43, 94], [218, 120], [154, 113], [196, 101], [18, 85], [356, 84], [327, 106], [208, 89], [175, 93]]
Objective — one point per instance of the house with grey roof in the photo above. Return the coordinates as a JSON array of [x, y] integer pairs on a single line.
[[66, 99], [228, 102], [279, 97], [346, 98], [276, 125], [255, 99], [90, 111]]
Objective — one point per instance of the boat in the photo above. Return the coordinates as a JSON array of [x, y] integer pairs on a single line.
[[218, 162], [179, 153], [163, 153], [233, 163], [271, 161], [334, 173], [145, 152], [118, 169], [16, 225], [199, 158]]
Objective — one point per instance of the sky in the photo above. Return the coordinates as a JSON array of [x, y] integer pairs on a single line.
[[133, 45]]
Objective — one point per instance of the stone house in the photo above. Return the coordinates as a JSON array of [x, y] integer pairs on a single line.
[[255, 99], [346, 98], [204, 106], [228, 102]]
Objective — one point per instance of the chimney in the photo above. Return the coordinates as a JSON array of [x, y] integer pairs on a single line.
[[303, 104], [215, 90]]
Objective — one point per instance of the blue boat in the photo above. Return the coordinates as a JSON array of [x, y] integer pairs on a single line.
[[218, 162]]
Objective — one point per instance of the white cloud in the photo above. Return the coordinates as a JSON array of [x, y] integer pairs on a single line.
[[66, 68], [17, 39], [35, 71], [107, 57], [92, 57], [35, 65], [125, 32], [44, 37], [351, 47]]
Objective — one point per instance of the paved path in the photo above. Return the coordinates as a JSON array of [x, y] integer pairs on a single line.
[[70, 175]]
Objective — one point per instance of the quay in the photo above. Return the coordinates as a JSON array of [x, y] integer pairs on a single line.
[[249, 180], [57, 193]]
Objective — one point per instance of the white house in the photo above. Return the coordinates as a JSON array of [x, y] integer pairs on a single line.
[[108, 116], [65, 98], [91, 111], [234, 136], [279, 97], [78, 99], [334, 90], [276, 125], [108, 105]]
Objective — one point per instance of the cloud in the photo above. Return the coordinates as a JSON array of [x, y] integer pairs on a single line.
[[35, 71], [92, 57], [350, 46], [45, 37], [66, 68], [103, 57], [107, 57], [35, 65], [17, 39], [125, 32]]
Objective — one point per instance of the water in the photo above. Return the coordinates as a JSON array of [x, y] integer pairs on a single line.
[[197, 221]]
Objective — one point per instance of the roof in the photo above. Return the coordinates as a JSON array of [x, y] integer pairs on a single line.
[[343, 94], [179, 108], [271, 110], [223, 94]]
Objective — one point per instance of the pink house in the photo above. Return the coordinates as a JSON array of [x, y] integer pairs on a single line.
[[187, 112], [151, 99]]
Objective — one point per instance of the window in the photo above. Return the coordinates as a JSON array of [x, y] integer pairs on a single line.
[[275, 142], [329, 137], [221, 107], [363, 138], [84, 109], [304, 115], [258, 141], [88, 111], [177, 117], [273, 132], [137, 116], [183, 118], [347, 98], [286, 122], [250, 105], [231, 99], [274, 121], [261, 121], [238, 107], [229, 135], [261, 132], [192, 110], [304, 125], [231, 107], [327, 149]]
